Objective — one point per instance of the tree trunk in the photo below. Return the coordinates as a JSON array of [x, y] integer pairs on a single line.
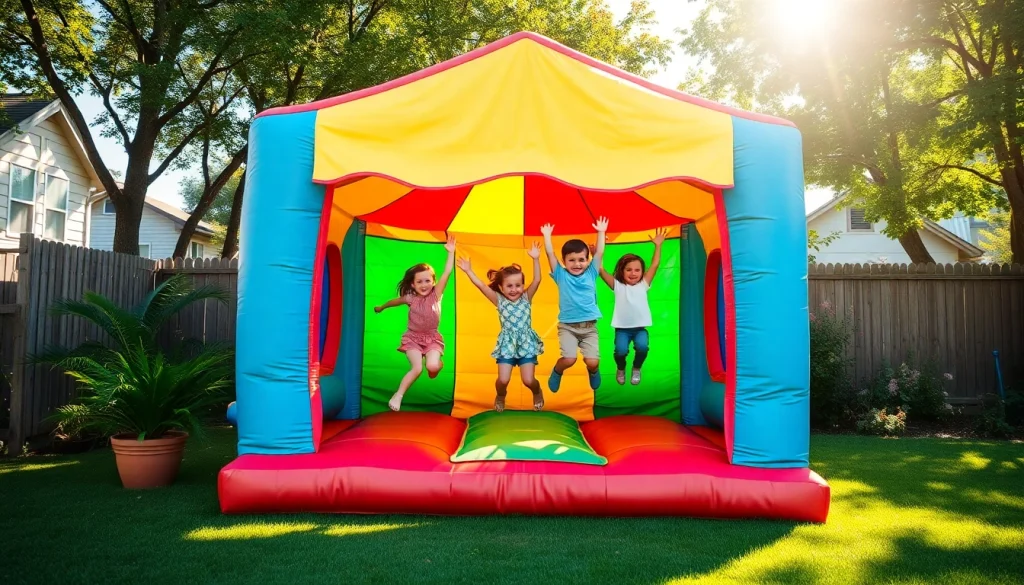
[[1015, 194], [1011, 173], [231, 238], [126, 225], [914, 246], [209, 194]]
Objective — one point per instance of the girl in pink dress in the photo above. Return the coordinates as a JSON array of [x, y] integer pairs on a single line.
[[422, 293]]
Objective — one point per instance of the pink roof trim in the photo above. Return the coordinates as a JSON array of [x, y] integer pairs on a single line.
[[539, 39]]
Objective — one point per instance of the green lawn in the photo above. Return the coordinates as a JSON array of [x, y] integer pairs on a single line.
[[903, 511]]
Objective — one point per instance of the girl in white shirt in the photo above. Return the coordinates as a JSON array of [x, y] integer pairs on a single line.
[[632, 314]]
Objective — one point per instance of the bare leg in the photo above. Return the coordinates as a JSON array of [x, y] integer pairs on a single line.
[[564, 364], [501, 386], [415, 369], [433, 363], [526, 372]]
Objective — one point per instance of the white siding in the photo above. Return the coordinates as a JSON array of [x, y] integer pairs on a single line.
[[156, 229], [47, 149], [871, 247]]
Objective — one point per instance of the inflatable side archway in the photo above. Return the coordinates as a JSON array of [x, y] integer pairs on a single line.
[[344, 194]]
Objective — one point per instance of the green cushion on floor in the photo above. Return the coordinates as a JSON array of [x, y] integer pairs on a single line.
[[520, 435]]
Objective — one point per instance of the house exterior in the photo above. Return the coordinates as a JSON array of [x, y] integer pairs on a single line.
[[158, 233], [45, 175], [862, 242]]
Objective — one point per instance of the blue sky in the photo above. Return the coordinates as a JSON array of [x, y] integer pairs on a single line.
[[672, 15]]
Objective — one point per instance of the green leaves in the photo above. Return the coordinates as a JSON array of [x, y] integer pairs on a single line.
[[132, 385], [884, 111]]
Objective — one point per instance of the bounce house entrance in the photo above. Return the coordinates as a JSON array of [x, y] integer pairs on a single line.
[[487, 148], [413, 227]]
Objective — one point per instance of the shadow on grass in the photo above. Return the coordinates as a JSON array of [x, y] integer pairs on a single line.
[[909, 510]]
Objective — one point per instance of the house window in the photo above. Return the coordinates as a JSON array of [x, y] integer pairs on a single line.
[[144, 250], [22, 201], [56, 208], [108, 207], [857, 221], [196, 250]]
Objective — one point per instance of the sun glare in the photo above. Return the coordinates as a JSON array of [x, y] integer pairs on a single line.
[[801, 19]]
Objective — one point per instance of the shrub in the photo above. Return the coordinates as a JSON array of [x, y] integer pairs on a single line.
[[992, 422], [918, 393], [880, 422], [133, 385], [831, 391]]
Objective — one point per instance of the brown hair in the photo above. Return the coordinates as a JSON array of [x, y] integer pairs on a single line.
[[574, 246], [620, 266], [405, 285], [497, 277]]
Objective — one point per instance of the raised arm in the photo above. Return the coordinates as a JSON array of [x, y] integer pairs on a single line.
[[549, 248], [601, 225], [448, 267], [607, 278], [658, 239], [466, 267], [537, 275], [392, 303]]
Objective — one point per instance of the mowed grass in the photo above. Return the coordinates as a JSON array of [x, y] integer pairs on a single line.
[[903, 511]]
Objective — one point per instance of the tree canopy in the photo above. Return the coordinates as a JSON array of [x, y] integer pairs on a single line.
[[881, 107]]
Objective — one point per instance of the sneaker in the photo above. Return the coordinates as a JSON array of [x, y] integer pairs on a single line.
[[635, 378], [554, 381], [620, 377], [595, 379]]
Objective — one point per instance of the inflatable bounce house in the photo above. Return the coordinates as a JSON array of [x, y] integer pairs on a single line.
[[344, 194]]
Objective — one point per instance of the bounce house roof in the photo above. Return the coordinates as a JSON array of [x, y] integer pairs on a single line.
[[524, 105]]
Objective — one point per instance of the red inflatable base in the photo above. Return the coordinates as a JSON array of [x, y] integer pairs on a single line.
[[398, 463]]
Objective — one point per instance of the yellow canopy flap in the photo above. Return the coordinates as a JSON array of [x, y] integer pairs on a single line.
[[523, 108]]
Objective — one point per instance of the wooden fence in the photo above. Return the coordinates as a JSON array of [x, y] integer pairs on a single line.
[[956, 315], [46, 272], [209, 321]]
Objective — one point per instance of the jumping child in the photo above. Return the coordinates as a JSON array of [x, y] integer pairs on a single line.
[[422, 293], [632, 314], [577, 303], [518, 344]]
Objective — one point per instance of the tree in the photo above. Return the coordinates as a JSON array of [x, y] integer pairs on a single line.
[[871, 113], [351, 46], [983, 42], [996, 241], [191, 191], [151, 63]]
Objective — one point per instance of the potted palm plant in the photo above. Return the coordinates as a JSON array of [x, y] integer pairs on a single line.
[[147, 400]]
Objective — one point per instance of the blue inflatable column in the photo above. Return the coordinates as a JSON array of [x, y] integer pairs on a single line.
[[768, 365], [280, 224]]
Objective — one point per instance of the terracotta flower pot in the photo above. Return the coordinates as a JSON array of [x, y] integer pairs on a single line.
[[150, 463]]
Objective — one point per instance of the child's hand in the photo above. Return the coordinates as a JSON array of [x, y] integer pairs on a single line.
[[378, 309], [659, 236], [464, 265], [534, 251], [546, 229], [450, 245], [601, 225]]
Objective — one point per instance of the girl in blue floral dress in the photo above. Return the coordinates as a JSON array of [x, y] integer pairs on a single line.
[[518, 344]]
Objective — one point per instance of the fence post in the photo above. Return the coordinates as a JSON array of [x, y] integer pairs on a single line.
[[16, 438]]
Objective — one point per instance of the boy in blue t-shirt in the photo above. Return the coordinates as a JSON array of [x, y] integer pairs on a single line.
[[577, 302]]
